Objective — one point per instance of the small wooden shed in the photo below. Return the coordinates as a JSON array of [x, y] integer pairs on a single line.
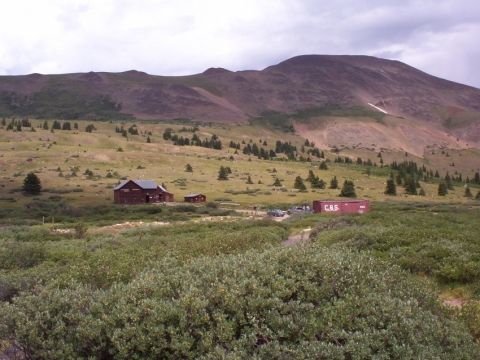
[[132, 192], [194, 198]]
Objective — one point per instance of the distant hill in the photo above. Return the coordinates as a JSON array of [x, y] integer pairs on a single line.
[[337, 100]]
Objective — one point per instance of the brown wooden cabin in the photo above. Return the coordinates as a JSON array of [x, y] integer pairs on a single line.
[[132, 192], [194, 198]]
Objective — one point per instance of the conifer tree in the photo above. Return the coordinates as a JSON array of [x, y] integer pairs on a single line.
[[318, 183], [348, 189], [399, 179], [422, 192], [391, 188], [311, 176], [410, 186], [277, 182], [148, 139], [31, 184], [468, 192], [222, 174], [477, 197], [334, 183], [299, 184], [188, 168], [448, 181], [442, 189], [249, 180]]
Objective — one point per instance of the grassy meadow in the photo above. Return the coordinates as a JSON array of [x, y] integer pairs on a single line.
[[61, 158], [211, 281]]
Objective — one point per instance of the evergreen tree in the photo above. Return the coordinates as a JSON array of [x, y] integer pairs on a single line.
[[249, 180], [323, 165], [311, 176], [477, 197], [422, 192], [277, 182], [318, 183], [188, 168], [399, 179], [45, 125], [299, 184], [348, 189], [442, 189], [391, 188], [222, 173], [148, 139], [410, 186], [31, 184], [334, 183], [468, 192], [448, 181]]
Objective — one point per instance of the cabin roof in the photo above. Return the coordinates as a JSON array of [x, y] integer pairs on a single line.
[[144, 184]]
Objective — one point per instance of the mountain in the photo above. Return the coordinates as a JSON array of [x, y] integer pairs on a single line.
[[334, 99]]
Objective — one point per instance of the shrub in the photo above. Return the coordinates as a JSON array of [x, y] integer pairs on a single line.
[[290, 303], [211, 205]]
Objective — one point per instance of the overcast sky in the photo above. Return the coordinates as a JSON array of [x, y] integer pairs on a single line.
[[182, 37]]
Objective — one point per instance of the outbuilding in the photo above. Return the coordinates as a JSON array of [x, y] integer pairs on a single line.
[[194, 198], [132, 192], [341, 206]]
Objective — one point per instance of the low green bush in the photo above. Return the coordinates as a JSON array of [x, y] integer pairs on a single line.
[[300, 302]]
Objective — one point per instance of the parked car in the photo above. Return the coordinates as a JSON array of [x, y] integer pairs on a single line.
[[300, 209], [276, 213]]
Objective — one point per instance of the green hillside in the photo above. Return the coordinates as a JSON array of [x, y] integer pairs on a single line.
[[61, 159]]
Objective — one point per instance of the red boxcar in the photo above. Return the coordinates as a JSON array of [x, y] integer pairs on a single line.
[[341, 206]]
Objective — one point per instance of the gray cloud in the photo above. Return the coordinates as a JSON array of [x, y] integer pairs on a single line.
[[187, 36]]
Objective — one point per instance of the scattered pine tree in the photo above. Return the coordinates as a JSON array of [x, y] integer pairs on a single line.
[[334, 183], [391, 188], [348, 189], [468, 192], [31, 184], [222, 173]]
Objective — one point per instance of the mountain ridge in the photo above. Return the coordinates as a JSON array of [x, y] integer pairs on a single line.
[[223, 96]]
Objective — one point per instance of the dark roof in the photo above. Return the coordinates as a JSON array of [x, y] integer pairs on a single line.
[[193, 195], [144, 184]]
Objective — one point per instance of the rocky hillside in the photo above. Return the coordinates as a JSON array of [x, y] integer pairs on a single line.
[[305, 91]]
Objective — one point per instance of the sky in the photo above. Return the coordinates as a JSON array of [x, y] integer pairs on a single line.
[[184, 37]]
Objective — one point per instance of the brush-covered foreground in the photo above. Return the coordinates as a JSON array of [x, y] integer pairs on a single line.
[[290, 303], [230, 290]]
